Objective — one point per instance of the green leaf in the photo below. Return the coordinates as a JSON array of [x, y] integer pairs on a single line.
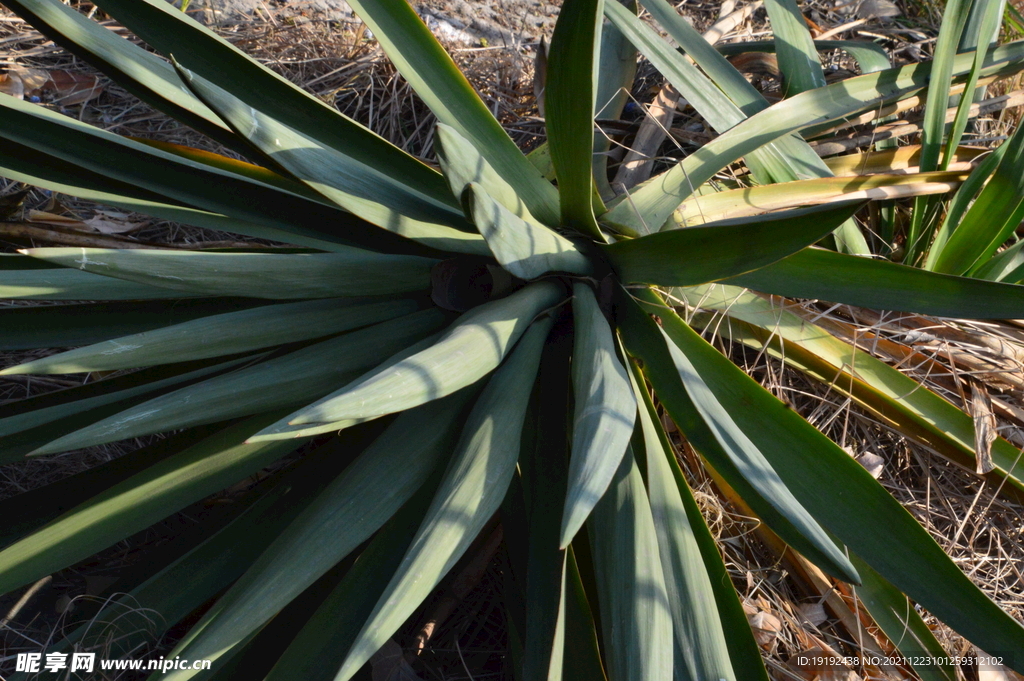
[[992, 218], [700, 641], [893, 396], [418, 56], [277, 276], [787, 159], [140, 72], [636, 622], [809, 464], [653, 202], [281, 382], [199, 185], [543, 464], [714, 430], [138, 502], [954, 18], [61, 405], [1007, 266], [283, 429], [839, 278], [171, 32], [708, 252], [962, 200], [196, 576], [582, 660], [72, 284], [319, 648], [55, 326], [470, 493], [473, 346], [616, 70], [744, 655], [605, 410], [462, 164], [223, 334], [526, 249], [569, 103], [798, 58], [25, 512], [354, 506], [986, 16], [313, 225], [366, 191]]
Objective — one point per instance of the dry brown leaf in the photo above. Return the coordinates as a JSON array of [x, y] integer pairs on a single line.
[[984, 426], [63, 87], [872, 462], [106, 226], [813, 613], [988, 670], [766, 627]]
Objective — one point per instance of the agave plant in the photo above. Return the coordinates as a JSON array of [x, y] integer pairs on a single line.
[[442, 347]]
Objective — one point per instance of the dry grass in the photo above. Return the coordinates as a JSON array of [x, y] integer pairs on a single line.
[[980, 530]]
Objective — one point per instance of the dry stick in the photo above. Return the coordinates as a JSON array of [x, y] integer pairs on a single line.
[[639, 162], [24, 600], [884, 132], [458, 588]]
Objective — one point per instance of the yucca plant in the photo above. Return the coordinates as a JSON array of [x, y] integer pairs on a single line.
[[444, 346]]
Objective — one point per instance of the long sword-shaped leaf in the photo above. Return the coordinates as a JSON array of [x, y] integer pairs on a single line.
[[462, 163], [331, 226], [277, 383], [809, 464], [172, 32], [47, 408], [714, 432], [257, 275], [798, 58], [993, 216], [544, 467], [224, 334], [59, 326], [839, 278], [431, 72], [189, 182], [744, 655], [636, 621], [319, 648], [471, 349], [616, 70], [349, 511], [471, 491], [653, 202], [735, 203], [569, 104], [1007, 266], [605, 410], [72, 284], [526, 249], [138, 502], [365, 191], [196, 576], [709, 252], [893, 396], [28, 511], [700, 641], [140, 72], [787, 159]]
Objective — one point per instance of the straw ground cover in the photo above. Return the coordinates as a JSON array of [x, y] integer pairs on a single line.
[[388, 104]]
